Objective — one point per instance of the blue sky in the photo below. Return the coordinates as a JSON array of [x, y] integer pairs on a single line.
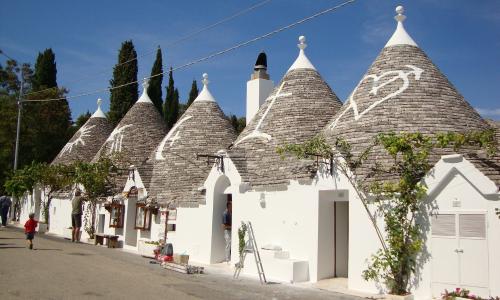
[[462, 37]]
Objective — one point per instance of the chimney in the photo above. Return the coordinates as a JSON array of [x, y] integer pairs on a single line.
[[258, 87]]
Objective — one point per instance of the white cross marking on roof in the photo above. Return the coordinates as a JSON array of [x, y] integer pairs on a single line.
[[83, 132], [398, 74], [168, 137], [256, 133], [116, 139]]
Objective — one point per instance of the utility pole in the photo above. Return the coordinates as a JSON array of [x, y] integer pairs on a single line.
[[19, 112]]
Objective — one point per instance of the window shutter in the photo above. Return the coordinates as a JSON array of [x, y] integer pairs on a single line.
[[443, 225], [472, 225]]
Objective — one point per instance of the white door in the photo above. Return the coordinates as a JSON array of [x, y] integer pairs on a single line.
[[459, 253]]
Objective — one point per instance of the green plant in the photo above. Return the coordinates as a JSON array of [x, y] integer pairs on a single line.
[[399, 200], [242, 231], [157, 243]]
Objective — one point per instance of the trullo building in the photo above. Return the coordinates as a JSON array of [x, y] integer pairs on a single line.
[[133, 140], [182, 161], [404, 91], [82, 146], [277, 195]]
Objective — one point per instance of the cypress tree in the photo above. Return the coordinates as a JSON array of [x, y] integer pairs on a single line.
[[154, 90], [45, 75], [171, 105], [51, 121], [125, 71], [193, 93]]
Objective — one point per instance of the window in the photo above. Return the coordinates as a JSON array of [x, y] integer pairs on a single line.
[[116, 213], [472, 225], [142, 217]]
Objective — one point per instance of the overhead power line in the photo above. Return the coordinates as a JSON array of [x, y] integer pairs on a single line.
[[215, 54], [169, 45]]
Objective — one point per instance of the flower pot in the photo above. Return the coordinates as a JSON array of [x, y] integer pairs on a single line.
[[145, 249], [399, 297], [68, 233], [42, 227]]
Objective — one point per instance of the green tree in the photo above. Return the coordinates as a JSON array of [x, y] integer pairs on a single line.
[[9, 89], [51, 120], [124, 72], [45, 71], [171, 105], [193, 93], [238, 123], [154, 89]]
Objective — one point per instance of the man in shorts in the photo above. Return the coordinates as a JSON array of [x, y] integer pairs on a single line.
[[76, 215]]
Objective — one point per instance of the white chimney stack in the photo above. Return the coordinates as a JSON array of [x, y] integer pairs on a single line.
[[259, 87]]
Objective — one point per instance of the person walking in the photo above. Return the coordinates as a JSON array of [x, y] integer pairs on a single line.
[[76, 215], [226, 223], [29, 229], [5, 204]]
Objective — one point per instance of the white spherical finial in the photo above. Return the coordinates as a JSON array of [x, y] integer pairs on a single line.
[[205, 79], [302, 41], [145, 83], [400, 17], [99, 102]]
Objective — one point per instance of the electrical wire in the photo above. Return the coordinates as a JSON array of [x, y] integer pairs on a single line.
[[215, 54], [170, 45]]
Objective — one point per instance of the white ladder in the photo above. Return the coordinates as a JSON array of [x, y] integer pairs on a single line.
[[250, 247]]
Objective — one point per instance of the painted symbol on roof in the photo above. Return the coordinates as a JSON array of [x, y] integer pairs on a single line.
[[170, 137], [397, 74], [83, 132], [116, 139], [256, 133]]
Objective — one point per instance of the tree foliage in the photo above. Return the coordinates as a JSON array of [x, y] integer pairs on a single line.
[[238, 123], [124, 72], [171, 106], [193, 93], [401, 201], [45, 126], [154, 89]]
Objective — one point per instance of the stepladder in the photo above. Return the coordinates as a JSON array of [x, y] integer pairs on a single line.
[[252, 248]]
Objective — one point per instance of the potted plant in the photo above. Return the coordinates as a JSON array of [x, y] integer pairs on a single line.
[[146, 248]]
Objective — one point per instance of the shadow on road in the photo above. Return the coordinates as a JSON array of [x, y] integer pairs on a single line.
[[46, 249]]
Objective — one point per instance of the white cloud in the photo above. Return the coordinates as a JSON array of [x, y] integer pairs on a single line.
[[487, 112]]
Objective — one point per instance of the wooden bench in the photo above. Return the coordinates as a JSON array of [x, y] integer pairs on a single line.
[[106, 239]]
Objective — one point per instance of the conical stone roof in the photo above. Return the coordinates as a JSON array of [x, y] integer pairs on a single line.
[[136, 136], [177, 174], [402, 91], [298, 107], [87, 140]]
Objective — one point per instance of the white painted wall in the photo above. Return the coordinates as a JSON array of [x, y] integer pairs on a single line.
[[257, 92]]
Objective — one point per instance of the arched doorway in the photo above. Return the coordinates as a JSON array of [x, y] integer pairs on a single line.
[[220, 197]]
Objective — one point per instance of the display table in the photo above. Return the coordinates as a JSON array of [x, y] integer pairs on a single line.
[[111, 240]]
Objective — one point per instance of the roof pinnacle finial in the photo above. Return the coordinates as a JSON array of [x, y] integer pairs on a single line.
[[302, 41], [205, 79], [400, 11], [98, 112], [145, 83], [400, 36]]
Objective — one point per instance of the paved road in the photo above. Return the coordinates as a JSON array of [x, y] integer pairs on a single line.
[[59, 269]]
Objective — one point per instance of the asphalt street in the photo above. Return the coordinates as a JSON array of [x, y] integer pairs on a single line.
[[59, 269]]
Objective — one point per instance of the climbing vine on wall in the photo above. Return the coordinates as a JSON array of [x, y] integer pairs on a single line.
[[399, 200]]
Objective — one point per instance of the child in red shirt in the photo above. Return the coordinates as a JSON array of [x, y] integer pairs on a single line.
[[29, 229]]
